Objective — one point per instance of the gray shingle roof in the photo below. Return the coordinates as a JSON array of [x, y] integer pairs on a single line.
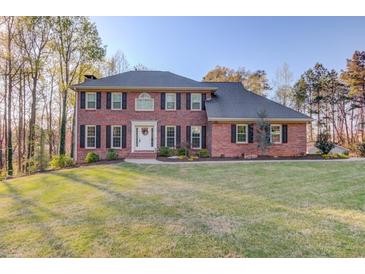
[[143, 79], [232, 101]]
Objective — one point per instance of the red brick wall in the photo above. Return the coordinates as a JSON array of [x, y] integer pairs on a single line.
[[218, 134], [221, 142], [106, 117]]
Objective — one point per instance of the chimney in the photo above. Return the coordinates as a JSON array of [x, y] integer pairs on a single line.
[[89, 77]]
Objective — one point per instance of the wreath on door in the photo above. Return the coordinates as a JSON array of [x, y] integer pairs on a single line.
[[145, 131]]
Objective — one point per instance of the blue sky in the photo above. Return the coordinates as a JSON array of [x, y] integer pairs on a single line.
[[191, 46]]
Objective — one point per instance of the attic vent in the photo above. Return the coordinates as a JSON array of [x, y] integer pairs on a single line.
[[89, 77]]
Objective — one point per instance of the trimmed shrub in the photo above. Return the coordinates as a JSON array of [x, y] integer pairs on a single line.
[[324, 144], [361, 149], [164, 151], [335, 156], [203, 153], [182, 152], [167, 152], [112, 155], [61, 161], [91, 157]]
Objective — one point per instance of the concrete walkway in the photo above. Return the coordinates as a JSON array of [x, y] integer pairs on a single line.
[[157, 162]]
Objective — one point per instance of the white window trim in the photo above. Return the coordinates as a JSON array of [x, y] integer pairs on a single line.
[[281, 135], [86, 100], [174, 136], [86, 136], [246, 126], [121, 100], [151, 98], [191, 137], [191, 102], [112, 137], [174, 94]]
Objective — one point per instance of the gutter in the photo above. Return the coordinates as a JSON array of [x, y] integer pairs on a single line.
[[219, 119], [79, 88]]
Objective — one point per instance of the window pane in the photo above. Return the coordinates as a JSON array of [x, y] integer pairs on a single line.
[[91, 132], [275, 138], [195, 137], [116, 136], [241, 133], [117, 100], [145, 104], [170, 136], [170, 100], [195, 101], [91, 100], [275, 134]]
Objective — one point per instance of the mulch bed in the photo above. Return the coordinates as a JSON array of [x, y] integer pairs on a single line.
[[306, 157]]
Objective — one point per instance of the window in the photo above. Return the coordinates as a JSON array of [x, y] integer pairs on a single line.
[[116, 100], [170, 101], [241, 134], [170, 136], [91, 100], [116, 136], [144, 102], [196, 101], [275, 134], [195, 137], [90, 136]]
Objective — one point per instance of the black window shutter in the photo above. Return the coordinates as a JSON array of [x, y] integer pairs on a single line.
[[188, 95], [233, 133], [162, 136], [108, 100], [178, 136], [98, 100], [250, 133], [82, 136], [204, 97], [204, 137], [178, 100], [108, 136], [163, 100], [188, 132], [82, 100], [124, 100], [98, 136], [124, 136], [284, 133]]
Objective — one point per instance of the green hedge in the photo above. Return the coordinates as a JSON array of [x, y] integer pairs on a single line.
[[91, 157]]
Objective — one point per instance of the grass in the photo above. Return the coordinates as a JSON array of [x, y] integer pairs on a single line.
[[229, 210]]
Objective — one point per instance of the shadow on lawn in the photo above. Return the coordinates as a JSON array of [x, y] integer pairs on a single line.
[[54, 242]]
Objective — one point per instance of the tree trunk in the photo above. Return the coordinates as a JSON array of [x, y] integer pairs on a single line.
[[20, 124], [31, 137], [73, 131], [50, 130], [10, 88], [63, 124]]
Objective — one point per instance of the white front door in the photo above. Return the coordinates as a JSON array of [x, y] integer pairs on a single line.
[[144, 138]]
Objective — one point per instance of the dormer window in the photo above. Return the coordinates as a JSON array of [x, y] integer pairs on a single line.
[[144, 102]]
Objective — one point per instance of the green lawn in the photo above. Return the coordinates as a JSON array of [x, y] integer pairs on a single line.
[[229, 210]]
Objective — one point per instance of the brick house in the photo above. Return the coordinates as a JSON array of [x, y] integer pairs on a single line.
[[136, 112]]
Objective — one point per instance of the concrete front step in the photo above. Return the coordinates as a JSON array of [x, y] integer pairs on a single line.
[[142, 155]]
